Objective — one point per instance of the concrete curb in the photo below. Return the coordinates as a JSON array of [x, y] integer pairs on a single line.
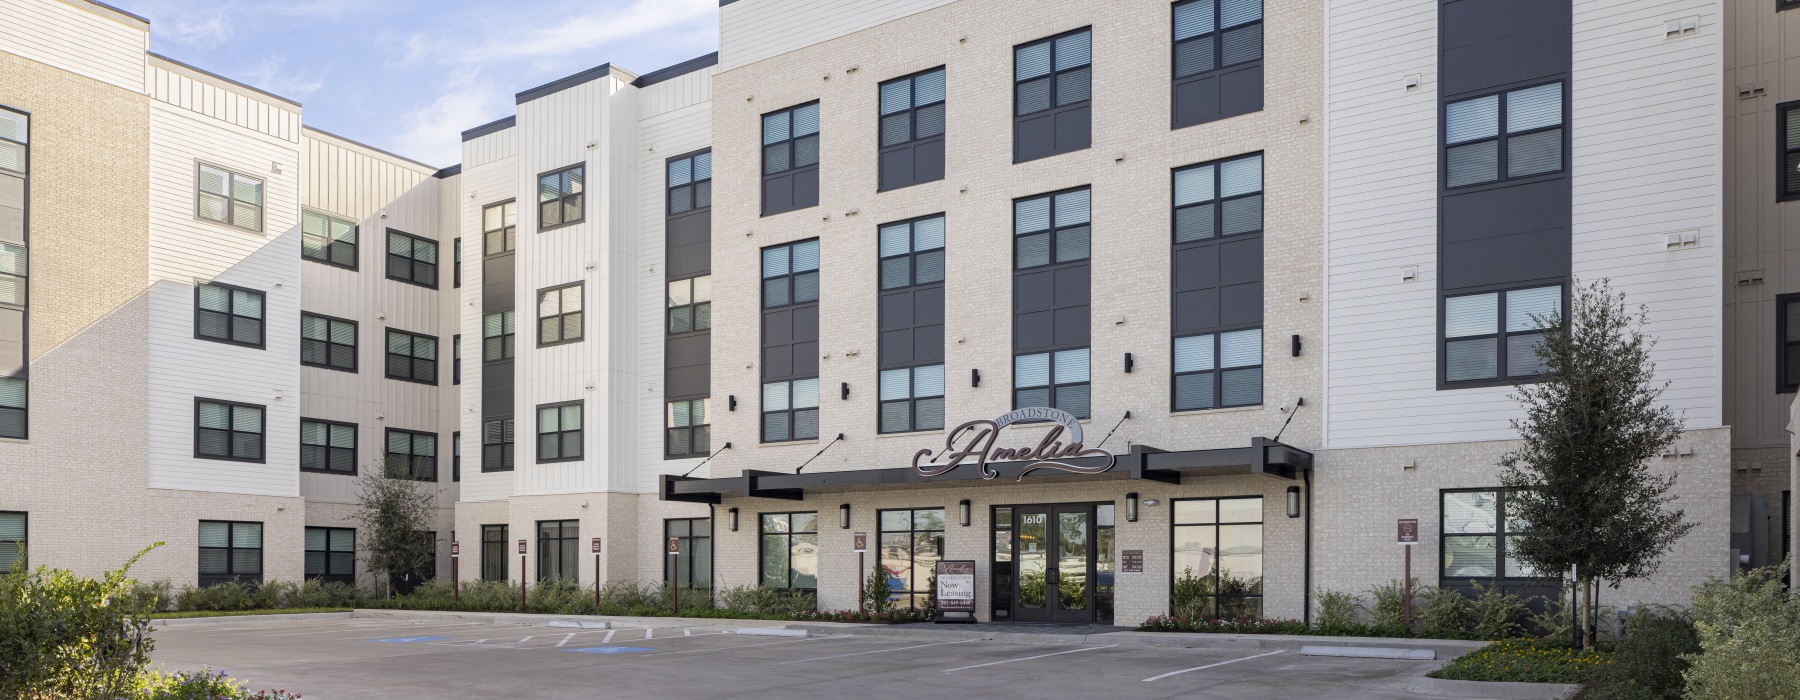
[[1492, 690], [1444, 648], [273, 617]]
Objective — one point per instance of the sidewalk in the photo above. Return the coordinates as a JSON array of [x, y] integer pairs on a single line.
[[1022, 633]]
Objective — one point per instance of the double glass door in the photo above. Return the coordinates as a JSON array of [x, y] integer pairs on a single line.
[[1054, 550]]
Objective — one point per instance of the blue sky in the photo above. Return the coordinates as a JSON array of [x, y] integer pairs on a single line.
[[409, 75]]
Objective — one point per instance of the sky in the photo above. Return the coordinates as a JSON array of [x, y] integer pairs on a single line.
[[408, 76]]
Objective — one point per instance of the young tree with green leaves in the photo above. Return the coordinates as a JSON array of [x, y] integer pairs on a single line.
[[1593, 424], [395, 515]]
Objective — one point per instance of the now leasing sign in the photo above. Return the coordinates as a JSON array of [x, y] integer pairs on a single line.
[[975, 442]]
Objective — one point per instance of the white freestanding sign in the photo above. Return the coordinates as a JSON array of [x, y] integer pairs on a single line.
[[955, 591]]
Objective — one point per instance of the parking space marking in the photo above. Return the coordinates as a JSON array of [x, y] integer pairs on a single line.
[[1202, 668], [566, 638], [741, 646], [1028, 658], [413, 639], [609, 636], [880, 651], [609, 650], [433, 628]]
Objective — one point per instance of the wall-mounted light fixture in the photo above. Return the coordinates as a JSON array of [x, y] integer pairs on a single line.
[[1293, 501], [1131, 507], [962, 511], [844, 392], [731, 405], [975, 378], [844, 516], [1296, 346], [731, 519], [1129, 363]]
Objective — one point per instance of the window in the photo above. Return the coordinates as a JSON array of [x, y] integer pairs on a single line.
[[229, 198], [497, 445], [790, 410], [1218, 554], [331, 554], [1477, 533], [690, 305], [790, 157], [1218, 60], [560, 197], [1503, 136], [1058, 380], [327, 342], [15, 135], [493, 552], [790, 274], [1046, 235], [456, 359], [411, 455], [456, 456], [497, 330], [1219, 200], [559, 432], [1786, 4], [1218, 370], [327, 446], [912, 399], [693, 560], [689, 428], [790, 368], [228, 314], [1787, 343], [912, 541], [456, 248], [428, 571], [1052, 84], [499, 227], [558, 542], [228, 430], [559, 315], [912, 130], [12, 524], [12, 408], [1494, 331], [690, 183], [411, 357], [412, 259], [912, 253], [230, 551], [328, 239], [789, 548], [13, 264]]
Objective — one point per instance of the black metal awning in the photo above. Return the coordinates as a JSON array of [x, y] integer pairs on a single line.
[[1263, 456]]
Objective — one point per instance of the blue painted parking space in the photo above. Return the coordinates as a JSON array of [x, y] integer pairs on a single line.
[[611, 650]]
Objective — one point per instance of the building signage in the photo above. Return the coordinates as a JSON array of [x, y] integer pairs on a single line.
[[521, 546], [674, 545], [596, 545], [455, 549], [861, 543], [974, 442], [1131, 561], [1409, 532], [956, 586]]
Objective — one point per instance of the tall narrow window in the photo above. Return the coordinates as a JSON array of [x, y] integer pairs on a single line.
[[328, 239], [12, 538], [559, 315], [12, 408], [456, 249], [493, 553], [456, 359], [497, 336], [912, 130], [331, 554], [13, 269], [690, 305], [1057, 380], [790, 410], [14, 258], [790, 157], [1503, 136], [1218, 60], [912, 325], [912, 542], [228, 314], [456, 456], [558, 545], [559, 432], [1478, 534], [789, 550], [412, 259], [411, 357], [411, 455], [229, 198], [230, 551], [1493, 336], [327, 446], [1050, 301], [15, 137], [689, 429], [1218, 557], [1787, 343], [228, 430], [560, 197], [499, 227], [497, 445], [790, 367], [1788, 135], [693, 563], [690, 183], [1218, 284], [1218, 370], [1052, 84], [327, 342]]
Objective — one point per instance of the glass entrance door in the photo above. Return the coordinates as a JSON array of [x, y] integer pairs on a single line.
[[1054, 555]]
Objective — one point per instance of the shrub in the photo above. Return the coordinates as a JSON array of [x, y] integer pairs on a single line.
[[71, 636], [200, 684], [1191, 596], [893, 616], [1526, 661], [767, 603], [157, 597], [1447, 614], [1496, 613], [1337, 611], [1647, 663], [1749, 629], [1389, 612], [1242, 625], [878, 593], [231, 595]]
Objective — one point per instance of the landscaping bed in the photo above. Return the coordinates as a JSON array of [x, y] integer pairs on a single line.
[[188, 614], [1526, 661]]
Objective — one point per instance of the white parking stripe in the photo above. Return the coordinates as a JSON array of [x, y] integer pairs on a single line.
[[649, 632], [425, 628], [1202, 668], [739, 646], [566, 638], [880, 651], [685, 632], [609, 636], [1028, 658]]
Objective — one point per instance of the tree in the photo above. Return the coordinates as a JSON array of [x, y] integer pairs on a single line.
[[395, 514], [1582, 473]]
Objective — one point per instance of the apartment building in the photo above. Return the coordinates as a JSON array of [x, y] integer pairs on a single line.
[[728, 320]]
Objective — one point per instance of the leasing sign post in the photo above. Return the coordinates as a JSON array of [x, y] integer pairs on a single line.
[[955, 591]]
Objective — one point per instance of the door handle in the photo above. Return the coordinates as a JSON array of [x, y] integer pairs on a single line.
[[1050, 577]]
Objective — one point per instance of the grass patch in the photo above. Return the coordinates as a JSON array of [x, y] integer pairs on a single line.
[[239, 613], [1527, 661]]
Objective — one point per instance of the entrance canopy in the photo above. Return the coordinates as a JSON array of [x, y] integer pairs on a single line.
[[1263, 456]]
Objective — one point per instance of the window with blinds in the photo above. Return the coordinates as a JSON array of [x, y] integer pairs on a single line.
[[1787, 343], [327, 342], [689, 183], [1051, 294], [411, 455], [412, 259], [13, 527], [15, 137], [560, 197], [1494, 335], [911, 319], [500, 227], [687, 425], [228, 314], [456, 250], [790, 330], [1218, 60], [790, 410], [559, 432], [690, 305], [1051, 229], [1787, 124], [1504, 136], [411, 357], [328, 239], [228, 197], [331, 554], [13, 269], [493, 553], [1218, 370], [912, 130], [456, 359], [497, 445], [228, 430], [1477, 534], [912, 399], [497, 336], [456, 456], [327, 446], [1053, 379], [790, 274], [559, 549], [790, 159], [12, 408], [559, 315], [230, 551], [1218, 280], [1052, 87]]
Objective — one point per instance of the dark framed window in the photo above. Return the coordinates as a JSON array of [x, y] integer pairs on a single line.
[[693, 560], [689, 183], [228, 430], [412, 259], [912, 130], [912, 253], [1218, 370], [331, 554], [428, 571], [688, 426], [14, 264], [560, 197], [1786, 4], [12, 408], [912, 542], [1787, 343], [1051, 241], [230, 551], [788, 550], [411, 455], [790, 159], [327, 342], [790, 274], [911, 319], [1492, 337], [13, 531], [456, 273], [227, 197], [1052, 87], [328, 239], [1502, 136], [1055, 379], [1217, 224], [497, 445], [411, 357], [493, 553], [1218, 60], [15, 139], [227, 314], [500, 227], [327, 446], [1217, 557], [456, 456], [690, 305], [456, 359], [1218, 200], [1476, 533], [559, 432], [1787, 122], [558, 546], [1051, 229], [912, 399], [498, 331], [790, 410], [559, 314]]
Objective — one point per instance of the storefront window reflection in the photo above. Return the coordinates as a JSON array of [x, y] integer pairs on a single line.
[[912, 542], [1218, 558], [789, 550]]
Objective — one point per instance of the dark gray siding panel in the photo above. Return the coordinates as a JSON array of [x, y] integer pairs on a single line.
[[1218, 286], [1504, 235], [912, 164], [1074, 129], [794, 189], [1052, 133], [1491, 43], [688, 366], [496, 390], [497, 283], [912, 326], [1050, 308], [1219, 96], [689, 245], [790, 343], [806, 188]]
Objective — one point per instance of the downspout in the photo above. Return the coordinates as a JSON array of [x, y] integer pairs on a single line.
[[712, 528], [1306, 575]]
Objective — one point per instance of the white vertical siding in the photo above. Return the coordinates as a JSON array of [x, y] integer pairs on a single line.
[[480, 185], [89, 41], [491, 147], [676, 93], [752, 30], [197, 92]]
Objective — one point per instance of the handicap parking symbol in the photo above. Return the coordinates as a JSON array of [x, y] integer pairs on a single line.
[[610, 650], [412, 639]]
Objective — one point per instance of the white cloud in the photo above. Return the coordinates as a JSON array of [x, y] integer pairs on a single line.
[[201, 32], [272, 74], [560, 38], [433, 132]]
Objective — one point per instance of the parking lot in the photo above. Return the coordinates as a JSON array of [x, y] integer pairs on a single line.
[[388, 658]]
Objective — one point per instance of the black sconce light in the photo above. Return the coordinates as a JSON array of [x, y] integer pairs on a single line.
[[1128, 363], [731, 406], [844, 516], [975, 378], [1293, 501], [1131, 503], [962, 511], [1296, 346], [844, 391], [731, 519]]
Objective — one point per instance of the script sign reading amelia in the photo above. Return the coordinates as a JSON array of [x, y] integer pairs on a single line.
[[974, 441]]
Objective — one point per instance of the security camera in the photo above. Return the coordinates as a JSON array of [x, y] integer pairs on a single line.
[[1285, 408]]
